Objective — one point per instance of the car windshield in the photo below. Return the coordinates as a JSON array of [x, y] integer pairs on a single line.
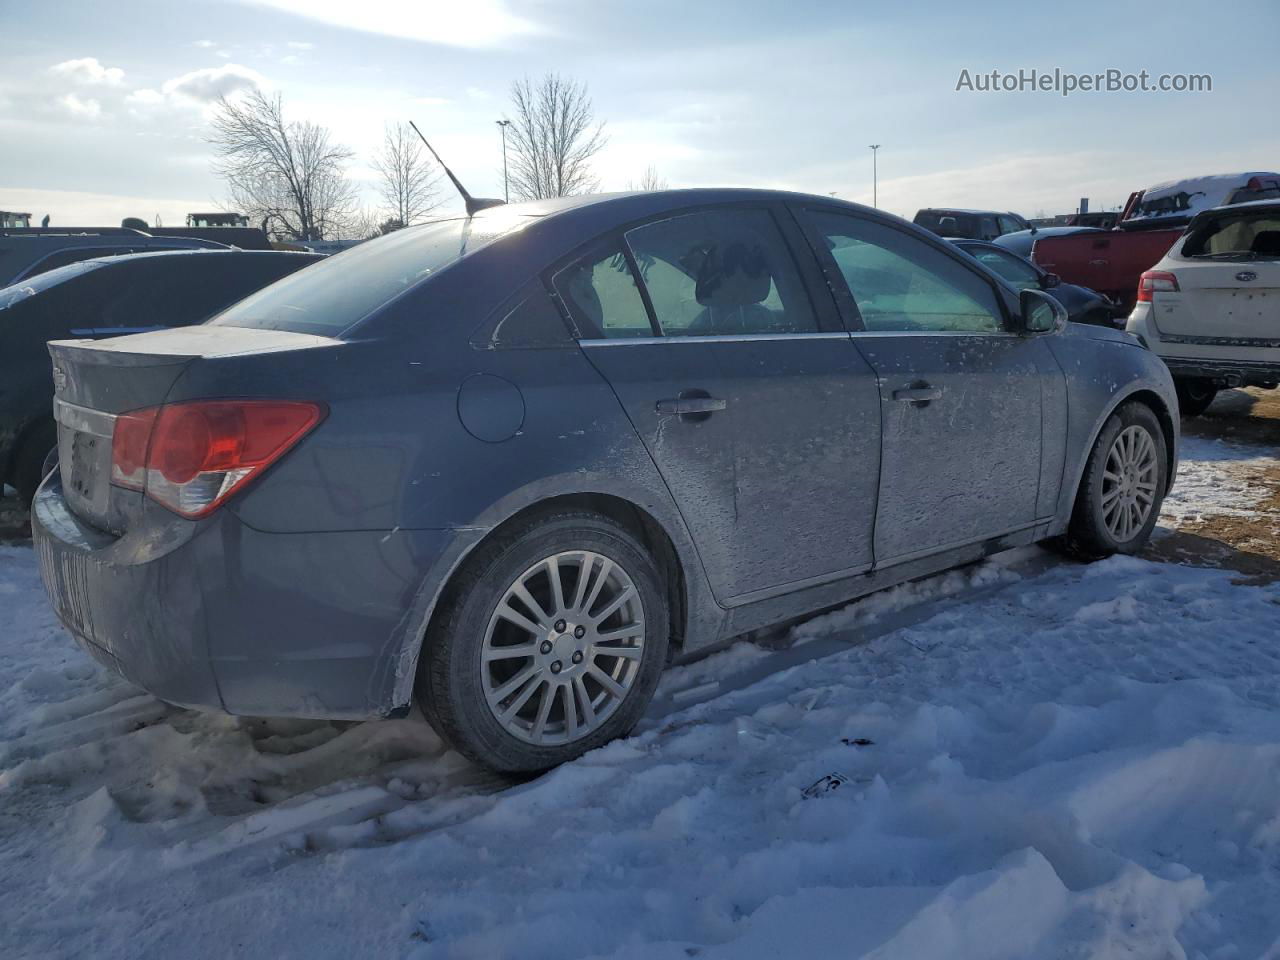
[[43, 281], [1239, 237], [342, 290]]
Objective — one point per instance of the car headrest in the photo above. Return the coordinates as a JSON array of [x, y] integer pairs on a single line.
[[1267, 243], [733, 276], [583, 293]]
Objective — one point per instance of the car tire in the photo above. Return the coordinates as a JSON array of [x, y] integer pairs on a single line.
[[1096, 530], [29, 461], [577, 695], [1194, 395]]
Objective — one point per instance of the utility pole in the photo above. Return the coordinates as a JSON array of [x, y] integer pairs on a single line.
[[506, 187], [875, 177]]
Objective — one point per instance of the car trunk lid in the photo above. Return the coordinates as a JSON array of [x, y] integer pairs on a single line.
[[96, 380], [1223, 302]]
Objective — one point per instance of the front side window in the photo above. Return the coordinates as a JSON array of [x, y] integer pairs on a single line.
[[601, 295], [1020, 274], [902, 284], [1008, 225], [723, 272]]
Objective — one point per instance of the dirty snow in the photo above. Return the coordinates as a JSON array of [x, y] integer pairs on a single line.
[[1024, 758], [1213, 478]]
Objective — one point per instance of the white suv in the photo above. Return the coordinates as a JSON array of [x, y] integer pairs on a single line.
[[1211, 307]]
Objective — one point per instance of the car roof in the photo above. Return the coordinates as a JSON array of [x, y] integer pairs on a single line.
[[599, 212], [1249, 206], [979, 213], [659, 199], [203, 252]]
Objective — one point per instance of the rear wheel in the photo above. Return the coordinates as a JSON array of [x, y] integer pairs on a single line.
[[1123, 485], [1194, 395], [551, 644]]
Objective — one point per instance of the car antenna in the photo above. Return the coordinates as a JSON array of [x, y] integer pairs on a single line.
[[472, 204]]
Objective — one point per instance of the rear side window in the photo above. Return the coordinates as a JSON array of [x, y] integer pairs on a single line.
[[902, 284], [601, 294], [947, 223], [336, 293], [1236, 238], [529, 319], [721, 273]]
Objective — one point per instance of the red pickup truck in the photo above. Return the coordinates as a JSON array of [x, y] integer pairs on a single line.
[[1111, 262]]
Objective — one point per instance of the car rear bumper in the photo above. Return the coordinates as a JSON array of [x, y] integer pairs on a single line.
[[1218, 359], [218, 615], [1225, 373]]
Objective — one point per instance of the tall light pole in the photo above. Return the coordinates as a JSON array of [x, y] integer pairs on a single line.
[[875, 176], [506, 187]]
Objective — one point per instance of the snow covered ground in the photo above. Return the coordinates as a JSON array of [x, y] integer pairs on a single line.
[[1025, 758]]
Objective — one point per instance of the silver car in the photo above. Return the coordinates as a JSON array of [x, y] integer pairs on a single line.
[[1211, 307], [511, 465]]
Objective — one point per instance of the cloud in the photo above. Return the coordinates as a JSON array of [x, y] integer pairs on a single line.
[[477, 24], [88, 70], [206, 44], [144, 98], [300, 45], [210, 83], [87, 109]]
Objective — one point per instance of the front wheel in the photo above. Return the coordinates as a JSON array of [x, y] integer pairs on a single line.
[[1122, 488], [1194, 395], [551, 644]]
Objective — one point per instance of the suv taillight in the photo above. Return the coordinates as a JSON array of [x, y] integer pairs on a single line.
[[190, 457], [1156, 281]]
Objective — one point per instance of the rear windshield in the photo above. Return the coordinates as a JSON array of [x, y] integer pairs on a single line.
[[43, 281], [342, 290], [948, 224], [1239, 237]]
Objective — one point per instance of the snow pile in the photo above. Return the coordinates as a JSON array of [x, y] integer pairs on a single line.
[[1082, 761]]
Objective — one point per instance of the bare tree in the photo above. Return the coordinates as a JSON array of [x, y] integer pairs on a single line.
[[408, 183], [286, 174], [553, 137], [650, 181]]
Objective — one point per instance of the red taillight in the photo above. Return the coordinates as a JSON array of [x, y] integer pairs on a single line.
[[129, 448], [192, 456], [1156, 281]]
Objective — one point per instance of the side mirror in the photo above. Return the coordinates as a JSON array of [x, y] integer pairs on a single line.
[[1040, 312], [1049, 281]]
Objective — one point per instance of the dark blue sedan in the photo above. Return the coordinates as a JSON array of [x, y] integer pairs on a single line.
[[509, 466], [1082, 304]]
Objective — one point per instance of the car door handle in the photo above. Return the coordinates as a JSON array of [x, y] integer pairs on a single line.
[[918, 394], [682, 406]]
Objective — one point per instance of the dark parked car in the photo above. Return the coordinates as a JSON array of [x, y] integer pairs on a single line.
[[30, 251], [105, 298], [1023, 241], [969, 224], [508, 465], [1083, 305]]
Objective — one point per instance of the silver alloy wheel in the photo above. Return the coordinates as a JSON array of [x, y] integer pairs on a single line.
[[562, 648], [1129, 483]]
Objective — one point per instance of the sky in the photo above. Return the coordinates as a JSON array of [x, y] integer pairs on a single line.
[[104, 107]]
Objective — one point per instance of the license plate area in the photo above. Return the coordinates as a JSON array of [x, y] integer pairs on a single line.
[[84, 457]]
